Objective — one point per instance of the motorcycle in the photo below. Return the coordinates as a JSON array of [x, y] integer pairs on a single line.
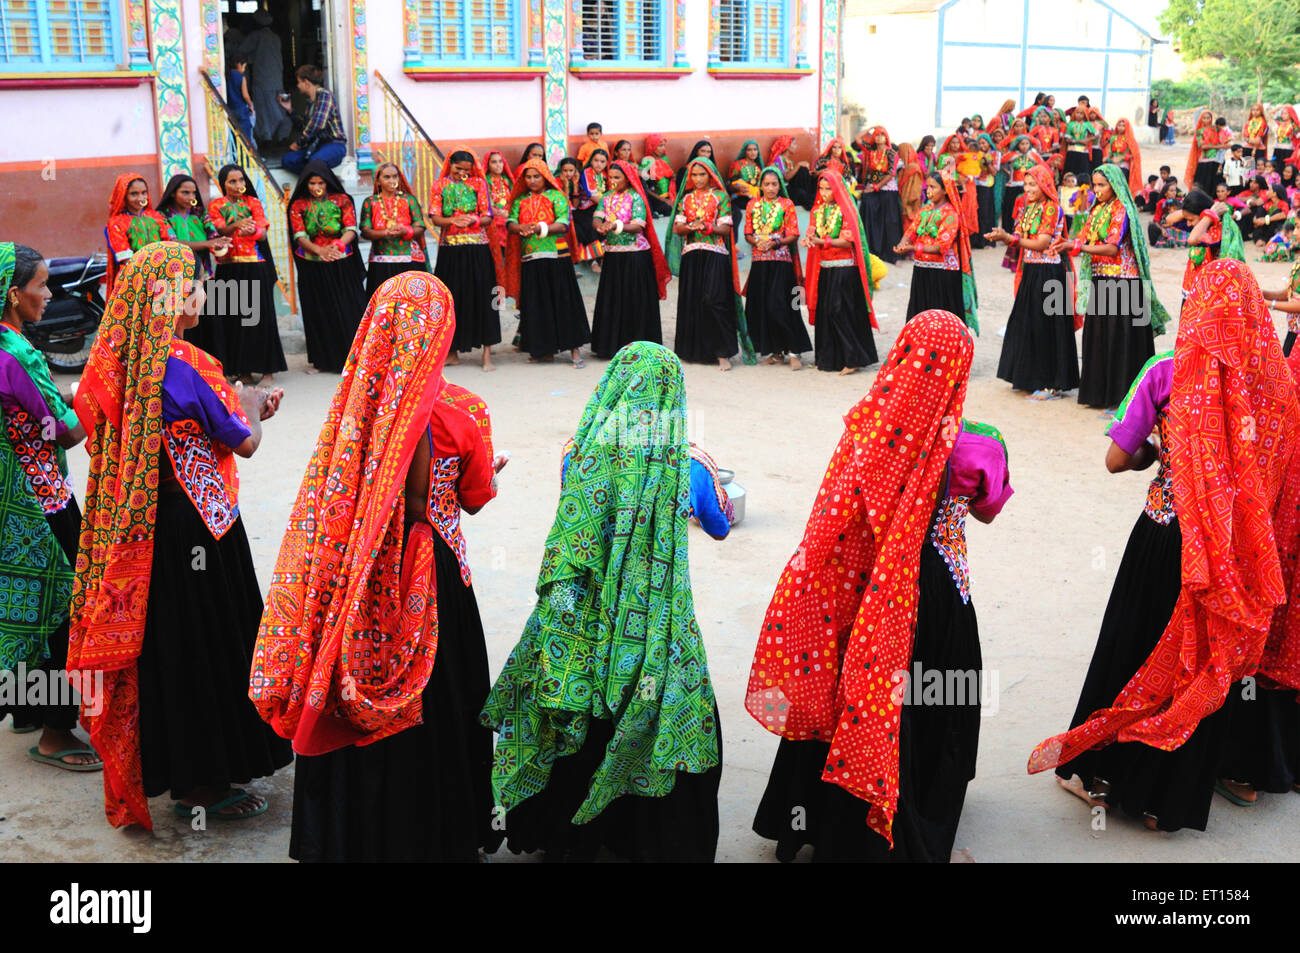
[[67, 329]]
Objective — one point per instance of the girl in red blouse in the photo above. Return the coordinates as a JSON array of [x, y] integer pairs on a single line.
[[331, 278], [239, 328], [839, 297], [459, 205], [132, 224], [940, 249], [771, 308]]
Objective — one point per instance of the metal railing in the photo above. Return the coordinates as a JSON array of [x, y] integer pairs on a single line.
[[227, 146], [405, 143]]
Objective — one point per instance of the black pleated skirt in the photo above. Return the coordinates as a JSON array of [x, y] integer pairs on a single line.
[[627, 303], [1038, 350], [775, 322], [935, 288], [706, 308], [424, 794], [470, 275], [197, 724], [681, 827], [240, 322], [1279, 158], [584, 225], [333, 299], [937, 749], [1175, 786], [552, 315], [802, 189], [882, 219], [66, 527], [843, 328], [1207, 174], [1287, 343], [1263, 749], [381, 271], [1080, 163], [1117, 341], [988, 216], [1010, 194]]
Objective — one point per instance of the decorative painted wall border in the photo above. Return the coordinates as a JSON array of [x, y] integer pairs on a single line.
[[829, 112], [555, 84], [361, 84], [211, 13], [171, 105], [137, 39]]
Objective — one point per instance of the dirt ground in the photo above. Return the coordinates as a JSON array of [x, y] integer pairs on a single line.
[[1041, 576]]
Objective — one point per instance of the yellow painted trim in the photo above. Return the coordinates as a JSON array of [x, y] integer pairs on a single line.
[[665, 70], [471, 70], [116, 74]]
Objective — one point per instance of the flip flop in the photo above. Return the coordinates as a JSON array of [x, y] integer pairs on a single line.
[[214, 810], [1223, 789], [579, 364], [57, 761]]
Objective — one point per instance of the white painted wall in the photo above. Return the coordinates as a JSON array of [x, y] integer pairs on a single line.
[[890, 73], [77, 123]]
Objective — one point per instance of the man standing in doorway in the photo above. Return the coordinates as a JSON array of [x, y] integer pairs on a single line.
[[322, 137], [261, 49]]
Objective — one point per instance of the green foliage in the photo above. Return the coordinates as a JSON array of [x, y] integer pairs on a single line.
[[1257, 39]]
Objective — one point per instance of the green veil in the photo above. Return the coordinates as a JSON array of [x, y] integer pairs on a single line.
[[613, 634], [674, 244], [1118, 180]]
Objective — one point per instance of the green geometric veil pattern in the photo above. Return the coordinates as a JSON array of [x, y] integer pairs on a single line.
[[614, 633]]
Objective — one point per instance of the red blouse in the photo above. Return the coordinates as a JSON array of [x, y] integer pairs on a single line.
[[225, 212]]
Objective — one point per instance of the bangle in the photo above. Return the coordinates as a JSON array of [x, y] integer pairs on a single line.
[[541, 227], [1013, 240], [618, 228], [1077, 247], [408, 231]]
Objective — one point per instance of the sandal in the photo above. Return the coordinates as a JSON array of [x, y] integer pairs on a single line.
[[1237, 799], [186, 811], [57, 761]]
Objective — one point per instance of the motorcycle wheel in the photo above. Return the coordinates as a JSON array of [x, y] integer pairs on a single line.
[[71, 362]]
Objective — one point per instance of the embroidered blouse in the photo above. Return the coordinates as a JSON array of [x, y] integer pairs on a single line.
[[127, 233], [383, 211], [979, 481], [625, 207], [1146, 409], [35, 415], [1200, 255], [1108, 225], [879, 165], [548, 206], [1038, 219], [225, 212], [935, 226], [460, 465], [827, 221], [448, 198], [713, 208], [767, 218], [323, 221]]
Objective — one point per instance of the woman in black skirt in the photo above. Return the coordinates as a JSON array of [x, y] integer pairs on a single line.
[[331, 277], [873, 766], [618, 746], [539, 271], [839, 299], [1287, 302], [402, 773], [797, 172], [635, 277], [39, 426], [985, 185], [1114, 292], [240, 329], [165, 428], [393, 222], [460, 207], [940, 246], [771, 310], [882, 212], [1038, 352], [701, 252]]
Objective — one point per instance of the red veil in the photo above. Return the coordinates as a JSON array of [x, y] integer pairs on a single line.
[[514, 245], [1234, 422], [825, 668], [1280, 664], [1045, 181], [778, 148], [1135, 183], [662, 273], [849, 212], [1206, 118]]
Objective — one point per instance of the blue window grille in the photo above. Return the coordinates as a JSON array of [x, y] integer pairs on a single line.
[[470, 32], [753, 32], [59, 35], [627, 32]]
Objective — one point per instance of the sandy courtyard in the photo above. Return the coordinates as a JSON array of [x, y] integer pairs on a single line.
[[1041, 576]]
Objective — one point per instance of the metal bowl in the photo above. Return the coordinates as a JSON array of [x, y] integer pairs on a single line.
[[725, 476]]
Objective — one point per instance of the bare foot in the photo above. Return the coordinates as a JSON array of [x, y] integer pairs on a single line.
[[849, 370], [453, 359], [772, 359], [311, 370], [724, 364], [1151, 822], [267, 379], [1244, 791], [1076, 787], [795, 363], [57, 739]]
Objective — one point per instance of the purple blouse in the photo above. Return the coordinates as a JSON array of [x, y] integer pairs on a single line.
[[1148, 396], [978, 470], [187, 396]]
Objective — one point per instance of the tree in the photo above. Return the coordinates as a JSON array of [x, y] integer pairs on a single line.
[[1259, 36]]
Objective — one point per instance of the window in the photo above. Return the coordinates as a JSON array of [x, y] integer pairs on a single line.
[[469, 32], [623, 31], [753, 31], [52, 35]]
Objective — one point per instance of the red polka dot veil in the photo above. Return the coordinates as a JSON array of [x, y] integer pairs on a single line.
[[832, 658]]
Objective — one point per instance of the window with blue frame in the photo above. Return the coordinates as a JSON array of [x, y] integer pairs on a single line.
[[624, 32], [753, 32], [59, 35], [470, 32]]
